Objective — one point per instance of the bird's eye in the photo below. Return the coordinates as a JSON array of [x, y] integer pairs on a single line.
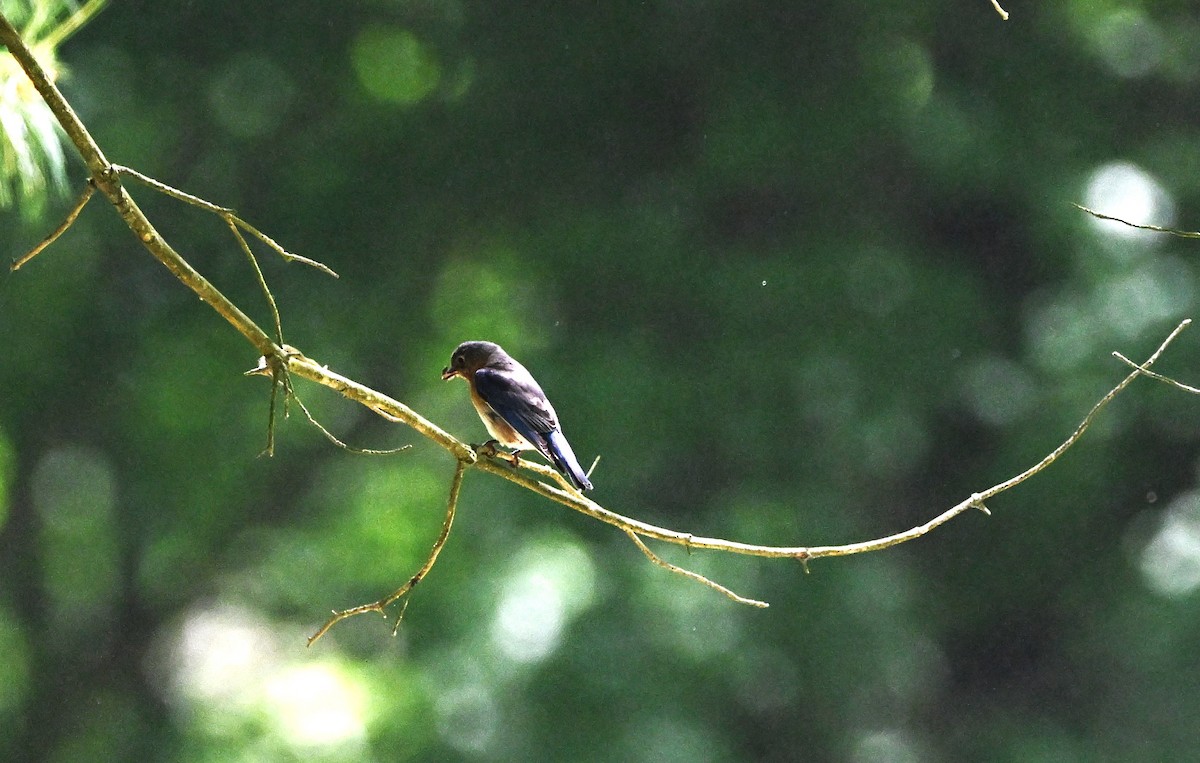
[[457, 362]]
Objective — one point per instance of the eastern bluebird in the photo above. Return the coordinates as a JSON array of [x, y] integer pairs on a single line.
[[512, 405]]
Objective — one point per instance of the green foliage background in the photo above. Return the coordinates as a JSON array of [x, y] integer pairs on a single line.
[[802, 273]]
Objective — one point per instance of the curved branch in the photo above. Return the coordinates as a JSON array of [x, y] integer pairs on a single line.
[[573, 499]]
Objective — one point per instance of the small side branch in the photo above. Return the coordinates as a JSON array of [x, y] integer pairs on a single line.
[[659, 561], [382, 605], [1003, 13], [1087, 420], [225, 213], [333, 438], [1155, 228], [1157, 376], [84, 198]]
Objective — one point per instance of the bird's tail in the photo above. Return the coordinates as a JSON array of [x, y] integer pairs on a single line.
[[565, 461]]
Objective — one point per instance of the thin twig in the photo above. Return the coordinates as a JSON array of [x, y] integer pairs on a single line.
[[1155, 228], [1087, 420], [381, 605], [284, 253], [84, 198], [1154, 375], [225, 213], [167, 190], [332, 438], [278, 378], [1003, 13], [262, 281], [73, 23], [659, 561]]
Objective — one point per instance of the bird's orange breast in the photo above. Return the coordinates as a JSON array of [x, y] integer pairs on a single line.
[[497, 427]]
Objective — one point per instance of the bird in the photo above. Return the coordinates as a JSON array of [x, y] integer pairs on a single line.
[[513, 407]]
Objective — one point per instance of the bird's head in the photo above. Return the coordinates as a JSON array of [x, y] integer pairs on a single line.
[[469, 357]]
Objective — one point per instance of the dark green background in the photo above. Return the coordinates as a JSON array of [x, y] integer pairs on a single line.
[[802, 273]]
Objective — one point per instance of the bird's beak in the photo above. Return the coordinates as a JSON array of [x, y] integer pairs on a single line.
[[449, 373]]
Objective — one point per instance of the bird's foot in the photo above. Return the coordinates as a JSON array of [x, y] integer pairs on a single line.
[[493, 449]]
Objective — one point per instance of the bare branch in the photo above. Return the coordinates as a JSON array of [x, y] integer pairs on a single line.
[[108, 182], [1003, 13], [1153, 375], [692, 575], [573, 499], [225, 213], [330, 436], [381, 605], [1156, 228], [84, 198]]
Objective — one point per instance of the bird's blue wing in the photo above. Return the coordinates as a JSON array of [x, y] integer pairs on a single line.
[[518, 399]]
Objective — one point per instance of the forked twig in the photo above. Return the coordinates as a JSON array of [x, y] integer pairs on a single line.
[[381, 606], [1155, 375], [224, 213]]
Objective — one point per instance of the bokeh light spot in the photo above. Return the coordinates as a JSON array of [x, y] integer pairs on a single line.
[[529, 618], [467, 717], [998, 390], [494, 296], [1129, 42], [1061, 333], [552, 580], [317, 705], [1170, 561], [665, 738], [250, 95], [903, 70], [1135, 301], [74, 492], [220, 657], [891, 746], [1124, 190], [224, 668], [688, 624], [394, 66]]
